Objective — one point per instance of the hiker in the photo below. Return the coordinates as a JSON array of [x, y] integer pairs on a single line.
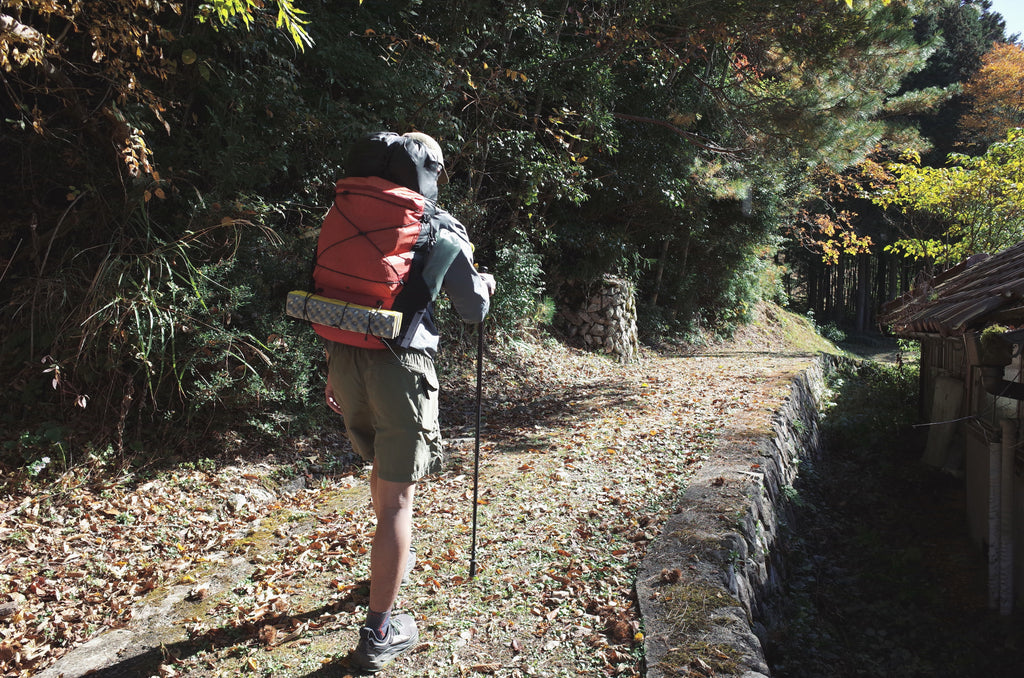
[[387, 392]]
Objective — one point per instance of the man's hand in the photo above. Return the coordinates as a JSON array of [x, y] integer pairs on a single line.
[[331, 402], [490, 282]]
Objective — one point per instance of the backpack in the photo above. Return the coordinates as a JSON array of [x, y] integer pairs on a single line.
[[371, 251]]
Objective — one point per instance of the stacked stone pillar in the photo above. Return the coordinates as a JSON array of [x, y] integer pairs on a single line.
[[605, 320]]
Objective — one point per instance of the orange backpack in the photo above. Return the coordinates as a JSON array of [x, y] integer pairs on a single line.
[[370, 252]]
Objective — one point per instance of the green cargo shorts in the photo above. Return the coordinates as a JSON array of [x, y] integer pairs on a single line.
[[390, 404]]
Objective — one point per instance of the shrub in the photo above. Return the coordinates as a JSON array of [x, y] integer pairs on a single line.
[[869, 403], [518, 304]]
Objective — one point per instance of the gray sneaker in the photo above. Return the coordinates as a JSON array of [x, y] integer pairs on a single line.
[[372, 654]]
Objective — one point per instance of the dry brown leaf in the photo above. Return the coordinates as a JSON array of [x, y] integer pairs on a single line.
[[268, 634]]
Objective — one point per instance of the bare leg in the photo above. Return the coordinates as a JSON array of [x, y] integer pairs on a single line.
[[392, 503]]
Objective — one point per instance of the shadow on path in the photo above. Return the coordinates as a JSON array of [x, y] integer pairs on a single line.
[[149, 661]]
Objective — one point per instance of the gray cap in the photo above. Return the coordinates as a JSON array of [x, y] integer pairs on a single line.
[[435, 150]]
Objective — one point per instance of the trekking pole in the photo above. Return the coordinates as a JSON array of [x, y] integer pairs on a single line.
[[476, 448]]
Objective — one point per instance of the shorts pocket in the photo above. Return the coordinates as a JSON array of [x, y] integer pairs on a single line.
[[429, 384]]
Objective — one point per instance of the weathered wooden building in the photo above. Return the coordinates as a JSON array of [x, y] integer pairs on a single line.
[[970, 322]]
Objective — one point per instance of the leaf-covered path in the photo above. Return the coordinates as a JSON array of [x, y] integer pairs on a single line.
[[251, 570]]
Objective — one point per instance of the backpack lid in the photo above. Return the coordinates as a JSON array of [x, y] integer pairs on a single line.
[[405, 161]]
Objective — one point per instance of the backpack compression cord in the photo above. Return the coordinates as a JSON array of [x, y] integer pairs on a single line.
[[371, 246]]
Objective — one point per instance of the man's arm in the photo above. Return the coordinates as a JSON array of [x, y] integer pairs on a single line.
[[451, 267], [468, 290]]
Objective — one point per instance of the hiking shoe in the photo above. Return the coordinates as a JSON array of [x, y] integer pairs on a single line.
[[372, 654], [410, 562]]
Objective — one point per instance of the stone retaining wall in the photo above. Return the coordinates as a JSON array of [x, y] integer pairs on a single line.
[[703, 584]]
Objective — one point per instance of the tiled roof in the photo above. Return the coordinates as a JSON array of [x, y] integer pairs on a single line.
[[981, 290]]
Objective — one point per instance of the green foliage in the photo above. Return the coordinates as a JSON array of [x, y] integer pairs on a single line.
[[909, 348], [518, 305], [253, 360], [38, 452], [735, 301], [163, 317], [184, 331], [968, 30], [977, 198], [289, 17], [833, 333], [919, 117], [829, 330], [521, 280], [869, 403], [165, 193], [964, 32], [655, 324]]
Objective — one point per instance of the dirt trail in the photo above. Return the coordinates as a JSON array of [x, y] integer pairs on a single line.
[[241, 570]]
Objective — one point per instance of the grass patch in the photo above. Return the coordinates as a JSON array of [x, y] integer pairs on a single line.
[[799, 332], [690, 607], [706, 658], [690, 610]]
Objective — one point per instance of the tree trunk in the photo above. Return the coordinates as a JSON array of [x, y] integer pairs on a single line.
[[837, 296], [863, 286], [893, 278], [825, 275], [812, 286], [660, 272]]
